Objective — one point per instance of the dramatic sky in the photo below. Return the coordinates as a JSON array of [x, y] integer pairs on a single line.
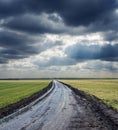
[[58, 38]]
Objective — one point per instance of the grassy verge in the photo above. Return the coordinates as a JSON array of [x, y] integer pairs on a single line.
[[13, 91], [107, 90]]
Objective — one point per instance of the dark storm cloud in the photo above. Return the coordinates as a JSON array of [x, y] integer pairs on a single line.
[[15, 46], [18, 46], [26, 16], [11, 39], [84, 12], [34, 24], [92, 52], [74, 12], [94, 15]]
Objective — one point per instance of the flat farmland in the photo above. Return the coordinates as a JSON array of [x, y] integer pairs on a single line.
[[107, 90], [12, 91], [64, 108]]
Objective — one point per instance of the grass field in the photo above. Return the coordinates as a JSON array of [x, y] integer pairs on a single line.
[[13, 91], [107, 90]]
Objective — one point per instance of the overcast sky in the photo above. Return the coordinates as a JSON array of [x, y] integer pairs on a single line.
[[58, 38]]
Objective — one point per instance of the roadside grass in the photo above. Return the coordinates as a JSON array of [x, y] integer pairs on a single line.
[[107, 90], [12, 91]]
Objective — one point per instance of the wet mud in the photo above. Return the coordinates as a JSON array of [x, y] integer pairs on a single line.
[[64, 108], [107, 116]]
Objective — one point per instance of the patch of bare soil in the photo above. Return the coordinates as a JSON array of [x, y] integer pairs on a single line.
[[24, 102], [96, 116]]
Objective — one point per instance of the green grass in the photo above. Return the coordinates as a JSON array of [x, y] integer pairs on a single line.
[[107, 90], [13, 91]]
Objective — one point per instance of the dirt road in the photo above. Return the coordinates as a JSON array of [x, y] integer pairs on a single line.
[[62, 109]]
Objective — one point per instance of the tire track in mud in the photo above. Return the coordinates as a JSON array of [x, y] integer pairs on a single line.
[[65, 108]]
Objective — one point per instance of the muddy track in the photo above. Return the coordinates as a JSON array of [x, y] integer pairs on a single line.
[[64, 108]]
